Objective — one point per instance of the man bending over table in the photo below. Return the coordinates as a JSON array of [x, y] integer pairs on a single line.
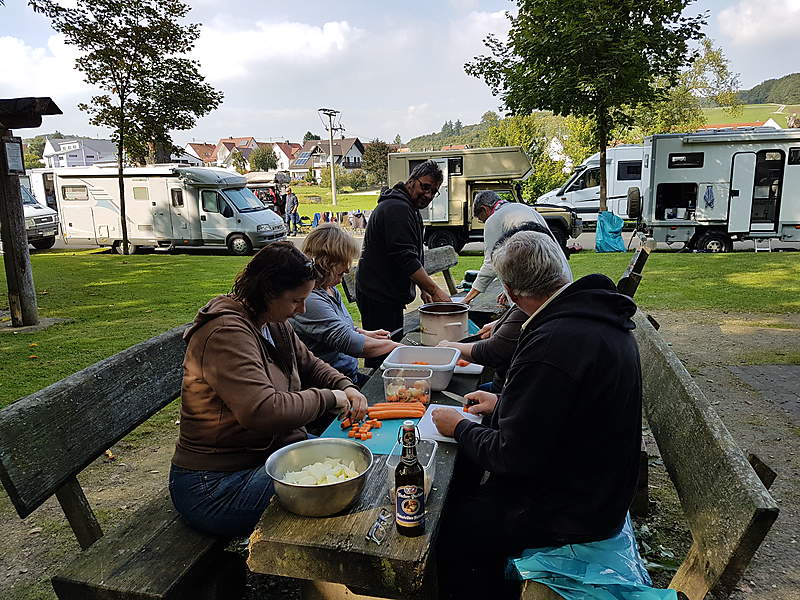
[[561, 446]]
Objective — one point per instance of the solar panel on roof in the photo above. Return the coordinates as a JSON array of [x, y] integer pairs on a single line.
[[300, 161], [304, 154]]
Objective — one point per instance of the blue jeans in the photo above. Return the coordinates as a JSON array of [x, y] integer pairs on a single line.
[[227, 504]]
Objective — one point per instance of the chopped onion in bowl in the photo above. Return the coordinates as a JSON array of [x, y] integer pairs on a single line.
[[330, 470]]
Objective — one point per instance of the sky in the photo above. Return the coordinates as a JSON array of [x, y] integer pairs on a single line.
[[389, 67]]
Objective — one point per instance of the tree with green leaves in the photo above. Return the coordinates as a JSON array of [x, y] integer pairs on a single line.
[[238, 161], [588, 58], [342, 178], [397, 139], [310, 136], [263, 158], [127, 47], [32, 161], [376, 157], [457, 127], [490, 117]]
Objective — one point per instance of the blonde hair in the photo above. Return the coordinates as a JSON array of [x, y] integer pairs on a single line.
[[330, 246]]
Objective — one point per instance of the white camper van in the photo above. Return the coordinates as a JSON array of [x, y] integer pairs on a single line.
[[165, 206], [581, 192], [709, 188]]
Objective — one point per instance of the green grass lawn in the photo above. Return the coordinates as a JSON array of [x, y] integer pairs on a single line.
[[114, 301], [345, 201], [751, 113]]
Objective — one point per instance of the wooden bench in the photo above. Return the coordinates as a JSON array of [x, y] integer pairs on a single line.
[[49, 437], [726, 504], [437, 260]]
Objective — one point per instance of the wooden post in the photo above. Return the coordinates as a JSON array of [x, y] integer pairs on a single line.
[[16, 257]]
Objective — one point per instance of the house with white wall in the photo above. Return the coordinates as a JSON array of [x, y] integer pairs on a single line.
[[77, 152], [347, 153]]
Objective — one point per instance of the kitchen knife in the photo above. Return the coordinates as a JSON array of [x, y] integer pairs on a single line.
[[456, 397], [470, 338]]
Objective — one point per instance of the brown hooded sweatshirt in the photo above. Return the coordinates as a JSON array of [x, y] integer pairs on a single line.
[[241, 395]]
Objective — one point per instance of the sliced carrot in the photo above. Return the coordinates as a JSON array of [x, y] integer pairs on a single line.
[[424, 398], [351, 434], [366, 428], [392, 398], [377, 424], [346, 423], [369, 436], [463, 363]]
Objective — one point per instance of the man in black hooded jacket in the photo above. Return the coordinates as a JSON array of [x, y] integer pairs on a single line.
[[561, 445], [392, 253]]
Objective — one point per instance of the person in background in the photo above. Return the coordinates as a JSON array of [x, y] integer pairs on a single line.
[[499, 216], [500, 337], [291, 216], [249, 387], [326, 326], [391, 263], [561, 445]]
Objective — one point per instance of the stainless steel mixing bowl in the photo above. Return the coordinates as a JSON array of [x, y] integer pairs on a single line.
[[318, 500]]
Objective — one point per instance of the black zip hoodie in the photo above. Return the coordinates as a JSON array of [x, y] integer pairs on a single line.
[[562, 446], [392, 249]]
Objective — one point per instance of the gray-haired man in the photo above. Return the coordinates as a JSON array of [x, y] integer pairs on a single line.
[[499, 216], [561, 444]]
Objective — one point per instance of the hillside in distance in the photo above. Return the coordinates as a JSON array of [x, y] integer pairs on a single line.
[[784, 90], [470, 135]]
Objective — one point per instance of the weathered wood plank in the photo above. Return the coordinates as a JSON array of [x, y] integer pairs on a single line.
[[632, 276], [728, 509], [335, 549], [533, 590], [79, 513], [52, 435], [155, 554]]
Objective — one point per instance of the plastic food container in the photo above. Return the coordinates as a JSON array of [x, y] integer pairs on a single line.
[[441, 362], [407, 385], [426, 454]]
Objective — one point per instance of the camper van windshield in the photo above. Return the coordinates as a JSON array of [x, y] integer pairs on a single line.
[[575, 174], [244, 200], [27, 198]]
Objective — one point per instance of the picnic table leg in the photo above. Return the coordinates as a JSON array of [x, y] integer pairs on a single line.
[[451, 285], [533, 590], [323, 590]]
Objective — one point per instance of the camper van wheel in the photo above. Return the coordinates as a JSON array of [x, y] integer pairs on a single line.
[[437, 239], [44, 243], [714, 241], [239, 245], [131, 248], [561, 237]]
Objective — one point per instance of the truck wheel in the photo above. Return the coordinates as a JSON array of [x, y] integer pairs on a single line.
[[239, 245], [437, 239], [714, 241], [44, 243], [561, 237], [131, 248]]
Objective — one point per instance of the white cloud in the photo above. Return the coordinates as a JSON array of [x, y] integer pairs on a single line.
[[753, 22], [229, 52], [29, 71]]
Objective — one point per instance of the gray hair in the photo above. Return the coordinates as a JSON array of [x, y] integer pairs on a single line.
[[427, 169], [530, 263], [486, 198]]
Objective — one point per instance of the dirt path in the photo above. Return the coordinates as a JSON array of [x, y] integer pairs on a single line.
[[709, 344]]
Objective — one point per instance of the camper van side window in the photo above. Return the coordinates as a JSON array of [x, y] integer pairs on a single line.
[[686, 160], [74, 192], [177, 198], [455, 166], [140, 193], [794, 156], [629, 170], [210, 203]]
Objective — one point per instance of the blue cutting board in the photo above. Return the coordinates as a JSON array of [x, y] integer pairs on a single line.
[[383, 439]]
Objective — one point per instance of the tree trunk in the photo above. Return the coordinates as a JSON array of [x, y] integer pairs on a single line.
[[162, 153], [121, 179], [16, 256], [602, 134]]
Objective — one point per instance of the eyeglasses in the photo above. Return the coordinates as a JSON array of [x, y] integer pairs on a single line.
[[428, 188], [377, 532], [311, 267]]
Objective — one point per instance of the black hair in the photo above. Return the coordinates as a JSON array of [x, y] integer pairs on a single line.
[[427, 169], [274, 270]]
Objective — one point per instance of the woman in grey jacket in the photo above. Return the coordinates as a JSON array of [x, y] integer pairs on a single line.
[[327, 327]]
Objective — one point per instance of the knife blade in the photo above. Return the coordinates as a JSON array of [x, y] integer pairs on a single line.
[[455, 397], [470, 338]]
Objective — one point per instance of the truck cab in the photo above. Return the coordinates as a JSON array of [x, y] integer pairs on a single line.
[[41, 223]]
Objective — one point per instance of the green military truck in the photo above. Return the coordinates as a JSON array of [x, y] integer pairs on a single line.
[[448, 219]]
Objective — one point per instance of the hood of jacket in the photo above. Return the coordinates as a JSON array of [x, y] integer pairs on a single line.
[[217, 307], [593, 297], [396, 192]]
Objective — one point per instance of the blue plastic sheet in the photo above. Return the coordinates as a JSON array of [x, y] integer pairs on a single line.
[[608, 237], [607, 570]]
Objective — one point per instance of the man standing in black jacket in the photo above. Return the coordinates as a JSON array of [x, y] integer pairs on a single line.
[[561, 445], [392, 254]]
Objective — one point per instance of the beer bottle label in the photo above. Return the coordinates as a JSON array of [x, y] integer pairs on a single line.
[[410, 505]]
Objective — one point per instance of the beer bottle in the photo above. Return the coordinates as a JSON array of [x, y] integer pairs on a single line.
[[409, 486]]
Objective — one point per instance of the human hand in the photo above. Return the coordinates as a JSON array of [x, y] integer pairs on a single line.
[[471, 295], [487, 330], [378, 334], [358, 404], [439, 295], [482, 403], [446, 420], [425, 297], [447, 344], [502, 299]]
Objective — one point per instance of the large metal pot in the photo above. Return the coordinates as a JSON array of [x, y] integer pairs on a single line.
[[440, 321], [318, 500]]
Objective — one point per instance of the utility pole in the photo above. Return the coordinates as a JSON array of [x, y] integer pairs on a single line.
[[330, 113]]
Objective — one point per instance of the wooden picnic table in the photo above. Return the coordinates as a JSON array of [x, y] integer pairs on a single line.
[[332, 552]]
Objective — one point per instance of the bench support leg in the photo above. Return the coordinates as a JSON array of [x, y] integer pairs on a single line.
[[451, 285], [322, 590], [79, 513]]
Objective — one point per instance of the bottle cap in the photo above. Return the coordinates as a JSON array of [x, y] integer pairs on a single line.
[[408, 424]]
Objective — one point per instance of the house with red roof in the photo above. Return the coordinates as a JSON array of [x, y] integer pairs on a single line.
[[347, 153], [206, 153]]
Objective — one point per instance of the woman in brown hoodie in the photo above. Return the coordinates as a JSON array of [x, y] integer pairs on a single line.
[[249, 387]]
